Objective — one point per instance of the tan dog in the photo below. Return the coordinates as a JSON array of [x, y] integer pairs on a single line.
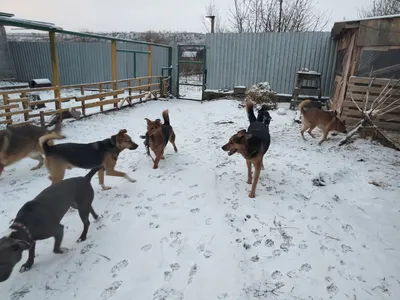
[[101, 154], [20, 141], [325, 120], [158, 136]]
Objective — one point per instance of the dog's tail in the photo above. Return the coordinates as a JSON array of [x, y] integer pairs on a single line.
[[91, 173], [166, 117], [304, 103], [43, 140], [250, 111]]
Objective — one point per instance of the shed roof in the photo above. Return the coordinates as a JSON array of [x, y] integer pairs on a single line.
[[338, 27]]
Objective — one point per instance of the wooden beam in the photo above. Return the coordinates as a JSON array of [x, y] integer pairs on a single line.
[[114, 68], [54, 66]]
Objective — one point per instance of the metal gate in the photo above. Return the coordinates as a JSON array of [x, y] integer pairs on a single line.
[[191, 72]]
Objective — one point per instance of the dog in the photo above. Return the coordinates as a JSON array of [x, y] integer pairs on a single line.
[[20, 141], [102, 154], [252, 145], [263, 115], [40, 218], [158, 135], [327, 121]]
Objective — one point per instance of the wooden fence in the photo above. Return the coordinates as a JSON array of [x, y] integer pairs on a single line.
[[357, 88], [137, 88]]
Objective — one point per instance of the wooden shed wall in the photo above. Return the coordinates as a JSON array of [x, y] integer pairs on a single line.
[[357, 88]]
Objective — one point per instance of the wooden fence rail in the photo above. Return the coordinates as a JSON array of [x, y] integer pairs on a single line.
[[146, 87], [357, 88]]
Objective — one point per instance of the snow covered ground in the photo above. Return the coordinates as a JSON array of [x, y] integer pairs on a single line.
[[189, 231]]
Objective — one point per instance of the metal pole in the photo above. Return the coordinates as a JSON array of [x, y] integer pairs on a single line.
[[134, 65], [280, 15]]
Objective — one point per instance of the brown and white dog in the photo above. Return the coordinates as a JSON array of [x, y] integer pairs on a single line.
[[20, 141], [327, 121]]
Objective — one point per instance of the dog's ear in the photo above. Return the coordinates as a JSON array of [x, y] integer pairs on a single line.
[[158, 121], [122, 131], [148, 120], [243, 131], [20, 245]]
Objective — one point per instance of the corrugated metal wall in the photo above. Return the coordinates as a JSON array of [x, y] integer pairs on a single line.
[[82, 62], [249, 58]]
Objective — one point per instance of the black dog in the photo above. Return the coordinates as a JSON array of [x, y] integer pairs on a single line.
[[263, 115], [40, 218], [251, 144]]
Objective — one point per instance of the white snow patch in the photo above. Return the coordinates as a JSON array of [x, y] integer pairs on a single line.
[[189, 231]]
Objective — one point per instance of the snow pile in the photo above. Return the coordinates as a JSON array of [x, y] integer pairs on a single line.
[[261, 93]]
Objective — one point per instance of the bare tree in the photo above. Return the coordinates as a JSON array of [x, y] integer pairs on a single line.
[[277, 16], [380, 8], [212, 10]]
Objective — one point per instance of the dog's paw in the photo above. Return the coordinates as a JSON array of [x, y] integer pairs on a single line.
[[155, 167], [60, 250], [25, 267], [252, 194], [105, 188], [249, 181], [81, 239]]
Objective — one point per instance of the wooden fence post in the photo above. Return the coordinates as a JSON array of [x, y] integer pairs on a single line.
[[54, 67], [114, 68]]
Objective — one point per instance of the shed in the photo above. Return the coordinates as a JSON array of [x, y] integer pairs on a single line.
[[367, 48]]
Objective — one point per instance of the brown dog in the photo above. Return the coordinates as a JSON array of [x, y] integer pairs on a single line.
[[158, 136], [20, 141], [102, 154], [325, 120], [252, 145]]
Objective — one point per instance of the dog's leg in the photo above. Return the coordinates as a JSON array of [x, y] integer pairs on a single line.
[[93, 213], [172, 140], [157, 159], [31, 258], [38, 157], [101, 180], [109, 166], [84, 214], [311, 129], [58, 237], [249, 174], [56, 169], [325, 137], [257, 167]]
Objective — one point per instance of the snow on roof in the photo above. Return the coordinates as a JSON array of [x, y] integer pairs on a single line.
[[339, 26]]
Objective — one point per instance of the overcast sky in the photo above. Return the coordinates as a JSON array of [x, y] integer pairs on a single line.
[[142, 15]]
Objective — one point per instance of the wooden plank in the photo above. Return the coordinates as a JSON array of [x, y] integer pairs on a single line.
[[54, 66], [9, 121], [377, 81], [373, 90], [360, 97], [12, 113], [381, 125], [114, 68], [349, 104], [9, 106], [104, 102], [100, 95], [19, 100]]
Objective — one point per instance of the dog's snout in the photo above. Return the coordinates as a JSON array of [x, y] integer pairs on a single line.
[[133, 146]]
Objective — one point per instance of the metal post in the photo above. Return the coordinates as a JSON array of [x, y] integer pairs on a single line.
[[280, 16], [212, 18], [134, 65]]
